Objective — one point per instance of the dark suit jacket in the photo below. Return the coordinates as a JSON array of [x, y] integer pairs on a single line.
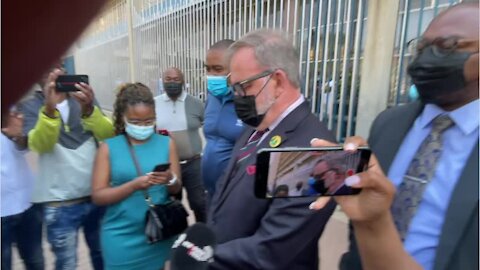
[[458, 245], [267, 234]]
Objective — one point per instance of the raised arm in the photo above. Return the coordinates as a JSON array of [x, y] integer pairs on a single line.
[[376, 236]]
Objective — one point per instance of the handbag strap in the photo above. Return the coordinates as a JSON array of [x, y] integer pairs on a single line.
[[139, 171]]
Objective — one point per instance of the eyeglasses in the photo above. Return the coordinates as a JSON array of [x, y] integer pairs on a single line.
[[137, 122], [442, 46], [238, 87]]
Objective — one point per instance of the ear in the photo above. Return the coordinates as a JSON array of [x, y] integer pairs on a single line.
[[281, 82], [471, 68]]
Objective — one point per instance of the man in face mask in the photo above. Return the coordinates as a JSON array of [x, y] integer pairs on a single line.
[[173, 83], [429, 151], [254, 233], [181, 115], [222, 126]]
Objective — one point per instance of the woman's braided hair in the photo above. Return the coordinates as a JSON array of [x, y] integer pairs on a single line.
[[130, 94]]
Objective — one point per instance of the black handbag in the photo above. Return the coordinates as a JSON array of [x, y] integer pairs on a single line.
[[162, 221], [165, 220]]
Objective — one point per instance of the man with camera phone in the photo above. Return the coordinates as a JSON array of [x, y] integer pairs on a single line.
[[64, 129]]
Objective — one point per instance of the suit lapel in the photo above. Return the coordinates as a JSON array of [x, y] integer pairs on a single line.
[[463, 203], [226, 178], [393, 135], [463, 200], [289, 123]]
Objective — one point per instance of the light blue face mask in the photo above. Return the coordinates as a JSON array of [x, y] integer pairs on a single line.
[[413, 93], [217, 85], [139, 132]]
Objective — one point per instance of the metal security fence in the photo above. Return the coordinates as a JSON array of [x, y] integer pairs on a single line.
[[136, 40], [330, 41], [413, 19], [102, 53]]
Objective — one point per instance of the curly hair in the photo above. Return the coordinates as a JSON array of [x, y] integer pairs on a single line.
[[130, 94]]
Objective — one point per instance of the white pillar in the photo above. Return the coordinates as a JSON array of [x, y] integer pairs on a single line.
[[377, 63], [130, 40]]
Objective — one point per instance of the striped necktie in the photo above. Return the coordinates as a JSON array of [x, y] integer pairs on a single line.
[[250, 146], [420, 172]]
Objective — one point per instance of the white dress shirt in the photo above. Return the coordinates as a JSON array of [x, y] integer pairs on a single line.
[[16, 179]]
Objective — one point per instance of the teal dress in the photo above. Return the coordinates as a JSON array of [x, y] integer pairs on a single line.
[[124, 244]]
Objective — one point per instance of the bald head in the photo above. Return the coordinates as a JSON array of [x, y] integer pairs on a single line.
[[215, 62], [173, 74], [461, 20], [222, 44], [446, 70]]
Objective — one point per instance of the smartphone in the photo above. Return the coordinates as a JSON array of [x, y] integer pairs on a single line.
[[161, 167], [163, 132], [66, 83], [307, 172]]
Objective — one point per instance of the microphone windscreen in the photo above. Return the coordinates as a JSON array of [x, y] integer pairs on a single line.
[[193, 250]]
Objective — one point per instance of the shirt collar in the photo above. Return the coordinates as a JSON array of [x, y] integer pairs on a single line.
[[465, 117], [181, 98], [290, 108], [228, 97]]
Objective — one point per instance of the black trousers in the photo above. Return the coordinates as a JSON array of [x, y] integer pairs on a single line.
[[192, 182]]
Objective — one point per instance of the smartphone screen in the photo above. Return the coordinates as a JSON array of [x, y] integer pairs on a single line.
[[161, 167], [66, 83], [307, 172]]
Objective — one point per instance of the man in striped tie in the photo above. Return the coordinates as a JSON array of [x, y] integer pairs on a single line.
[[429, 150], [257, 233]]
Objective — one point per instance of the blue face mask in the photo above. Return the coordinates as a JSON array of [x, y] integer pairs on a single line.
[[316, 187], [217, 85], [413, 93], [140, 133]]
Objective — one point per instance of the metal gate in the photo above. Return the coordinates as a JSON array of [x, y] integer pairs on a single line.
[[136, 40]]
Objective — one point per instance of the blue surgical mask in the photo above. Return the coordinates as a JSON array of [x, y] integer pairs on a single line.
[[217, 85], [140, 133], [413, 93], [317, 186]]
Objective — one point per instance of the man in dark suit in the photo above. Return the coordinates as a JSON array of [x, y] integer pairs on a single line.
[[259, 233], [436, 167]]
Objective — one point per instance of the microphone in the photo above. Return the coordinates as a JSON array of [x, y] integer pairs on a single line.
[[193, 250]]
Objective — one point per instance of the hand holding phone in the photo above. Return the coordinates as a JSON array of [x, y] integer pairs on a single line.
[[376, 197], [307, 172], [52, 96], [161, 167], [84, 95], [160, 174]]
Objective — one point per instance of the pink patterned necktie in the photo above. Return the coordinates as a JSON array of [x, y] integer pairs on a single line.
[[420, 172]]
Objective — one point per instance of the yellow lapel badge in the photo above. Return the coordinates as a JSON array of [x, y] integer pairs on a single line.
[[275, 141]]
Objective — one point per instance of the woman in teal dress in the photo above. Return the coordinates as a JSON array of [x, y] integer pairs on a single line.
[[117, 184]]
